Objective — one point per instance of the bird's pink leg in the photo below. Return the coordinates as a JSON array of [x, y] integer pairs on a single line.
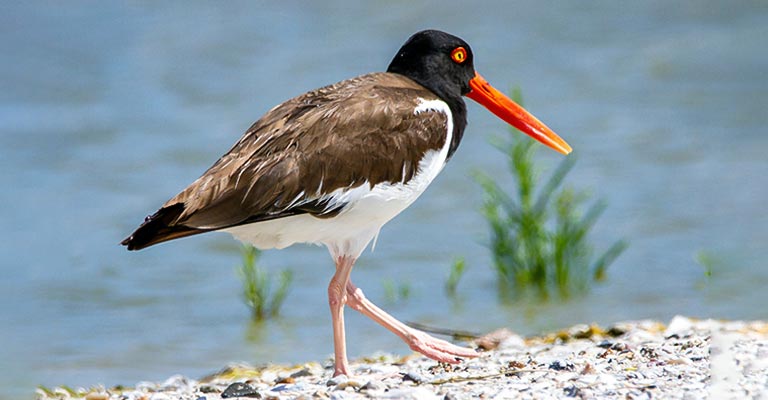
[[337, 298], [436, 349]]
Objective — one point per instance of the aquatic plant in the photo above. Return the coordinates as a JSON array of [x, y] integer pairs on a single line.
[[454, 275], [707, 261], [257, 286], [396, 292], [539, 235]]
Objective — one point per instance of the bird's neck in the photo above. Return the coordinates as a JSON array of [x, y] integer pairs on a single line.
[[451, 95], [459, 113]]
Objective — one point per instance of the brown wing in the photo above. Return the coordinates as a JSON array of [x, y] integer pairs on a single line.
[[340, 136]]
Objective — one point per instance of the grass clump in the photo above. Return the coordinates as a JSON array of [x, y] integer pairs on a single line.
[[257, 286], [539, 235]]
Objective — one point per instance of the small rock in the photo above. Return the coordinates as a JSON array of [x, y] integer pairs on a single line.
[[269, 395], [492, 340], [583, 331], [286, 380], [373, 386], [649, 353], [282, 387], [619, 346], [513, 342], [572, 391], [177, 382], [413, 377], [442, 367], [209, 389], [336, 380], [97, 396], [679, 327], [414, 393], [350, 383], [240, 389], [301, 373], [605, 344], [145, 386], [617, 330], [559, 365]]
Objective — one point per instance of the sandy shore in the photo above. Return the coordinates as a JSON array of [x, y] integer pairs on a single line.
[[684, 359]]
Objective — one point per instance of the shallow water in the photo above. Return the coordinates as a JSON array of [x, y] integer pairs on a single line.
[[108, 109]]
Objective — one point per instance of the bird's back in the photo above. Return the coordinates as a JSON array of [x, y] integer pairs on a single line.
[[303, 155]]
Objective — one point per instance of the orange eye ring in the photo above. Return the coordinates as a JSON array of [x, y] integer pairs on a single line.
[[459, 55]]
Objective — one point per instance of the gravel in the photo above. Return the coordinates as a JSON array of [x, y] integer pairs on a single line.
[[685, 359]]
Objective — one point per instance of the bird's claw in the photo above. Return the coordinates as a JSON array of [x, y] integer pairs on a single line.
[[438, 349]]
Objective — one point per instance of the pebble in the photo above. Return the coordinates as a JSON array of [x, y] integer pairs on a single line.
[[373, 385], [418, 393], [632, 360], [514, 342], [301, 373], [336, 380], [349, 383], [414, 377], [240, 389], [560, 365]]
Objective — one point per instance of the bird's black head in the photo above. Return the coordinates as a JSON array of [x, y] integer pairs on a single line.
[[438, 61], [445, 65]]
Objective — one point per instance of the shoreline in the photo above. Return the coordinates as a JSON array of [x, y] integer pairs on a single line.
[[683, 359]]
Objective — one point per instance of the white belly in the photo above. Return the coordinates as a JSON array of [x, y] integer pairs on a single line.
[[368, 209]]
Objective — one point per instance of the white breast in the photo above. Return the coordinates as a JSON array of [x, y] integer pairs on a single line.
[[369, 208]]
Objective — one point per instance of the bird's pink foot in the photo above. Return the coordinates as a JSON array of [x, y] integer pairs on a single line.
[[340, 370], [437, 349]]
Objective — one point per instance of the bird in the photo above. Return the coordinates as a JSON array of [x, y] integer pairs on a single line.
[[333, 165]]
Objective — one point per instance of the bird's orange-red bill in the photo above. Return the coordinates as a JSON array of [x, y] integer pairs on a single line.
[[515, 115]]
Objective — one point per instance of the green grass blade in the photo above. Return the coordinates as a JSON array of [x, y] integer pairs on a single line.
[[554, 181], [610, 255], [257, 286], [454, 276], [285, 279]]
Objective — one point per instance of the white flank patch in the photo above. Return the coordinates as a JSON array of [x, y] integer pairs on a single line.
[[349, 232]]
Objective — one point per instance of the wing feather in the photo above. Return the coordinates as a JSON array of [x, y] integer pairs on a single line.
[[360, 131]]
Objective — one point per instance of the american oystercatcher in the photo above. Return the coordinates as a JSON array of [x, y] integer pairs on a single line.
[[333, 165]]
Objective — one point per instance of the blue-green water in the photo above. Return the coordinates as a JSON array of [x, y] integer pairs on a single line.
[[107, 109]]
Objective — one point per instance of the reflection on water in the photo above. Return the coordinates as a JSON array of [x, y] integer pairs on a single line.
[[108, 109]]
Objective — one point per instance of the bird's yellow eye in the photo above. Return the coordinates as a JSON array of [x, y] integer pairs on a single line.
[[459, 55]]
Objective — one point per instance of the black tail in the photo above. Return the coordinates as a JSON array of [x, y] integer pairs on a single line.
[[160, 227]]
